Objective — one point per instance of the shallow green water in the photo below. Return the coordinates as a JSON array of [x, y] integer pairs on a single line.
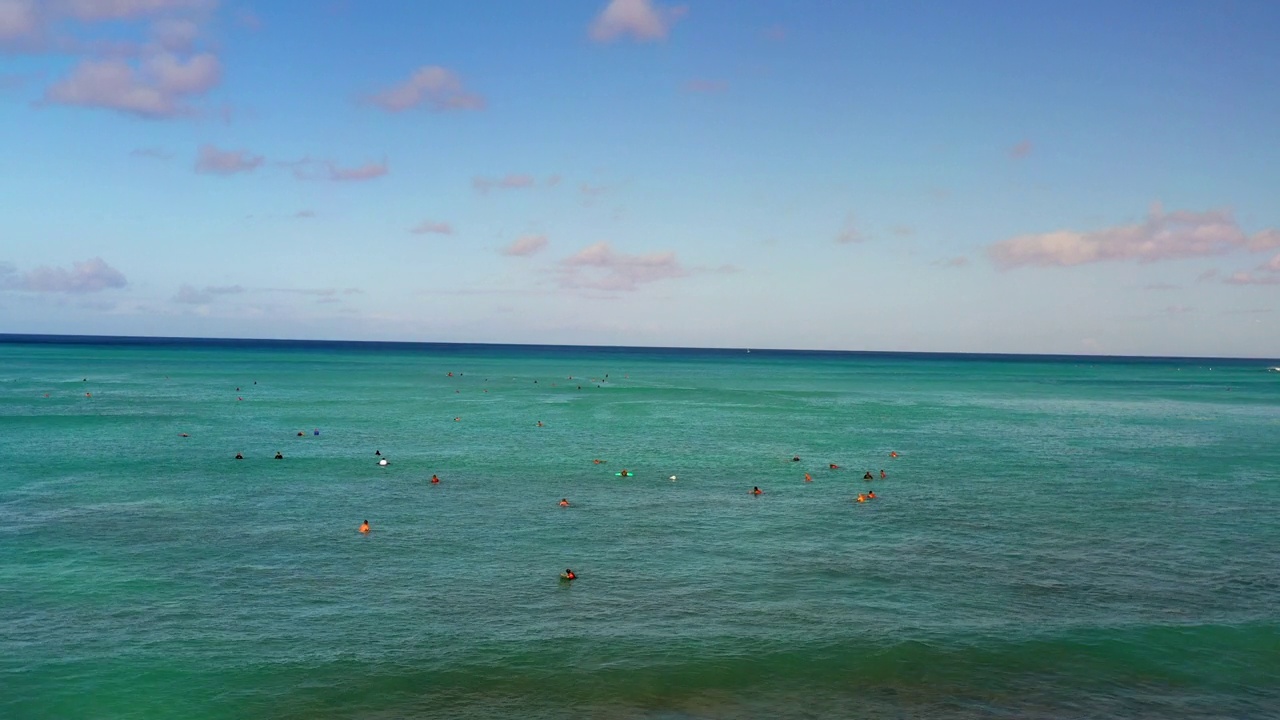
[[1058, 537]]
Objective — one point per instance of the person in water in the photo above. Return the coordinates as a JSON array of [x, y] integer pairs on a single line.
[[435, 479], [364, 527], [833, 466], [867, 476], [893, 454], [540, 424], [795, 458], [862, 498], [377, 452], [808, 477], [871, 495], [625, 472], [882, 475], [279, 456], [564, 502], [568, 575], [383, 461], [239, 456], [300, 433], [756, 490]]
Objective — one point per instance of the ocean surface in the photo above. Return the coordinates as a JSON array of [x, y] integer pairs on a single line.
[[1058, 537]]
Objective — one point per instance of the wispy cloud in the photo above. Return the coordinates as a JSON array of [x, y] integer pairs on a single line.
[[600, 267], [159, 87], [640, 20], [706, 87], [151, 153], [189, 295], [301, 214], [249, 20], [89, 276], [428, 228], [849, 233], [105, 10], [1249, 278], [440, 89], [1161, 286], [902, 231], [213, 161], [954, 262], [508, 182], [526, 246], [311, 169], [1021, 150], [1163, 236], [775, 33]]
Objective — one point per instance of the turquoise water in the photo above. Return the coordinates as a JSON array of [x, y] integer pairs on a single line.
[[1058, 537]]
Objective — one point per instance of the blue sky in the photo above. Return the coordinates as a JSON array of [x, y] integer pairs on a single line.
[[933, 176]]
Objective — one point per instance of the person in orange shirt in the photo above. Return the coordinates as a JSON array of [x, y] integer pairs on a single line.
[[862, 498], [871, 495], [435, 480], [755, 490], [364, 527], [808, 478], [564, 502], [568, 575]]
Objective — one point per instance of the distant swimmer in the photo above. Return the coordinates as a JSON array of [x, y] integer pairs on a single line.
[[377, 452], [625, 473], [540, 424], [833, 466], [239, 398], [862, 498], [882, 475], [564, 502], [435, 479], [364, 527], [597, 461], [88, 394], [871, 495], [316, 432], [893, 454], [808, 477], [279, 456], [300, 433], [457, 419], [672, 478], [867, 476], [239, 456], [183, 435], [383, 462], [568, 575], [795, 458], [756, 491], [450, 374]]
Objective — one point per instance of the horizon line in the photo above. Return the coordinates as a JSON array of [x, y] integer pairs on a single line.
[[65, 339]]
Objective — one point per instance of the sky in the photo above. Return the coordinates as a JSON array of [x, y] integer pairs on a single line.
[[974, 176]]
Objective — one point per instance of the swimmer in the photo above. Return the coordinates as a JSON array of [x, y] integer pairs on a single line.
[[597, 461], [183, 435], [893, 454], [435, 479], [364, 527], [300, 433], [239, 398], [88, 394], [862, 498], [568, 575], [383, 462], [457, 419], [450, 374], [756, 491], [882, 475], [564, 502], [377, 452], [540, 424], [625, 473], [833, 466], [239, 456], [672, 478], [867, 476], [871, 495], [316, 432], [795, 458], [279, 456], [808, 477]]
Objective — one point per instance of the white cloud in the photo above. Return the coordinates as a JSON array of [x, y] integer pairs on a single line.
[[526, 246], [93, 275], [600, 267], [213, 161], [439, 88], [640, 20], [1163, 236]]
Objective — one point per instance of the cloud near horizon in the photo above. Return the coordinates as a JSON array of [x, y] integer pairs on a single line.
[[526, 246], [427, 227], [1163, 236], [213, 161], [90, 276], [509, 182], [600, 267], [189, 295], [311, 169], [438, 87], [640, 20]]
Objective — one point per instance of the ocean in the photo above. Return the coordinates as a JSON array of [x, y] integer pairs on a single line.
[[1057, 537]]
